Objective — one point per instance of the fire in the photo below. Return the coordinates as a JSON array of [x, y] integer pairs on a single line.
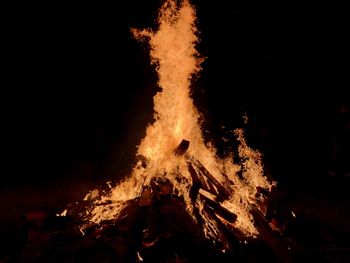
[[173, 53]]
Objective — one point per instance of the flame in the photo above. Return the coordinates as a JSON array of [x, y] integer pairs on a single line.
[[172, 51]]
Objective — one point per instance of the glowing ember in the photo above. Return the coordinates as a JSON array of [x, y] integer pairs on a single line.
[[172, 49]]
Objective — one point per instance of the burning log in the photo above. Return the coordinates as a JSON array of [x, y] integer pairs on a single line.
[[196, 183], [182, 148], [221, 189], [218, 209], [271, 238], [222, 238], [107, 202], [146, 197], [194, 175], [212, 189], [199, 182]]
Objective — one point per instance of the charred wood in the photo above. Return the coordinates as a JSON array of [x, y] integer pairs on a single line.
[[212, 188], [219, 209], [211, 214], [146, 197], [271, 238], [182, 148], [222, 190], [107, 202], [197, 183]]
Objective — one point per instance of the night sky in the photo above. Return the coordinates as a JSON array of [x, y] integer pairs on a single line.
[[77, 92]]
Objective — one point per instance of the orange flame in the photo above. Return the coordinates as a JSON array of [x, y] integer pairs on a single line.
[[172, 50]]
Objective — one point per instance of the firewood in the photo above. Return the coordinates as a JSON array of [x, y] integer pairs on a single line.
[[212, 216], [182, 148], [271, 238], [212, 188], [196, 183], [219, 209], [199, 182], [146, 197], [222, 190]]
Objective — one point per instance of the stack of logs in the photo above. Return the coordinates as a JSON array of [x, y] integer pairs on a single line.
[[213, 193]]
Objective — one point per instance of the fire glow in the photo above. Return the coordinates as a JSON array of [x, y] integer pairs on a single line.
[[173, 53]]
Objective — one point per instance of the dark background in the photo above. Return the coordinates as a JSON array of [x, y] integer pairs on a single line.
[[77, 92]]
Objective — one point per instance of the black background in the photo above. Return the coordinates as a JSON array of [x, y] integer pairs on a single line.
[[77, 89]]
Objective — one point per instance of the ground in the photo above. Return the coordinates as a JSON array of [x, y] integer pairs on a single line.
[[30, 232]]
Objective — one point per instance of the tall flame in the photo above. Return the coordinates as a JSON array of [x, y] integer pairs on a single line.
[[172, 50]]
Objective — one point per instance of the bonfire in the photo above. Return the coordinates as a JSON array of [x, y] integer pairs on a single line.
[[173, 160]]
